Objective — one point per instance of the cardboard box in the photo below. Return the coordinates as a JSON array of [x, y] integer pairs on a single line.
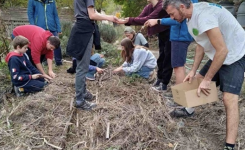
[[185, 94]]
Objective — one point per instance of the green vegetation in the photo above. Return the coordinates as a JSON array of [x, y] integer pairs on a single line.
[[107, 32]]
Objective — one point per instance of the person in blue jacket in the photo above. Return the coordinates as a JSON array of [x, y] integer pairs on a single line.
[[43, 13], [180, 40], [24, 76]]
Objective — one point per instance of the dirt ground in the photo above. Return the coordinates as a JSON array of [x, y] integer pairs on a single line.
[[136, 116]]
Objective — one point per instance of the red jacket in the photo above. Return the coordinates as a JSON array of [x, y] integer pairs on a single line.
[[38, 40]]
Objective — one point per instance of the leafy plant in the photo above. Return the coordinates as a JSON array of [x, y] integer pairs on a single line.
[[107, 32]]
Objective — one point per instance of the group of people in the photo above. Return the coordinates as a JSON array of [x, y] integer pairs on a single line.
[[176, 22]]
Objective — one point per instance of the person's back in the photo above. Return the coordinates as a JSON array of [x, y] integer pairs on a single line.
[[206, 16]]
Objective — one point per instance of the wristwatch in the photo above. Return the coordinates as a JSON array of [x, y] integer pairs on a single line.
[[159, 21]]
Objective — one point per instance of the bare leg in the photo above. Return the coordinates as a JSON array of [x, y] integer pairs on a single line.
[[179, 74], [232, 116]]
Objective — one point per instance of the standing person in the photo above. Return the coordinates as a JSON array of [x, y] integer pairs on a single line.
[[154, 11], [80, 45], [24, 76], [136, 38], [137, 60], [43, 13], [180, 40], [42, 44], [222, 39]]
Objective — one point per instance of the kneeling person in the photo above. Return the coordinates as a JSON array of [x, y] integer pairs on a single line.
[[137, 60], [25, 77]]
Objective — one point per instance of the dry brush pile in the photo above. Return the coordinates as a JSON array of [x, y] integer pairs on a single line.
[[129, 116]]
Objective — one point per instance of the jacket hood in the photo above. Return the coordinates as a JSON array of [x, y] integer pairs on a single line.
[[12, 54]]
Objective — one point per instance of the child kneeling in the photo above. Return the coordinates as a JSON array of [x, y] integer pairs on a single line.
[[24, 76], [137, 59]]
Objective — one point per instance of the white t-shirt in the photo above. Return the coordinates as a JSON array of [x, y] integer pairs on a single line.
[[206, 16]]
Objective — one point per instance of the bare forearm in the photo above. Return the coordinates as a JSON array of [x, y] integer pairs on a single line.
[[199, 54], [50, 64], [218, 61], [40, 68]]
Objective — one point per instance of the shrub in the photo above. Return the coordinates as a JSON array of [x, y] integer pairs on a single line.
[[66, 30], [107, 32]]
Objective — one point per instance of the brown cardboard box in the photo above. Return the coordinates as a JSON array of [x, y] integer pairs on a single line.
[[185, 94]]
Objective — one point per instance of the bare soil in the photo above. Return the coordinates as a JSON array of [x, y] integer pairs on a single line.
[[136, 116]]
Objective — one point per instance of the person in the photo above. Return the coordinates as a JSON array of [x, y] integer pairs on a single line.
[[43, 13], [42, 44], [180, 40], [136, 38], [154, 11], [222, 39], [80, 44], [24, 76], [137, 60]]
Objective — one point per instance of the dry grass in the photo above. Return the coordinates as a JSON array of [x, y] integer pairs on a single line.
[[136, 116]]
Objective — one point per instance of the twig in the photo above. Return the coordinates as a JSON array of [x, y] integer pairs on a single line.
[[52, 145], [64, 134], [31, 123], [79, 143], [108, 131], [176, 144]]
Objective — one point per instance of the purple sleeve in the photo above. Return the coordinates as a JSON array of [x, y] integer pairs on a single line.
[[92, 68], [140, 20]]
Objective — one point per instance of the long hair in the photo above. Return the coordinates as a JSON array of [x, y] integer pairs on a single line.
[[128, 49]]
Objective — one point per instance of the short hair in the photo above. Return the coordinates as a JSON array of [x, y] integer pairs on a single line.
[[20, 41], [55, 41], [129, 30], [176, 3]]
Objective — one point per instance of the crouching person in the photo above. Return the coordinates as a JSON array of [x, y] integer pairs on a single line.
[[137, 59], [24, 76]]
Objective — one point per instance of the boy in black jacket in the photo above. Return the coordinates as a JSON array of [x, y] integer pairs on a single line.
[[24, 76]]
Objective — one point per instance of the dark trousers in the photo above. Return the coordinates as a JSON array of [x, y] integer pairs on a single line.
[[28, 52], [57, 52], [34, 85], [165, 69]]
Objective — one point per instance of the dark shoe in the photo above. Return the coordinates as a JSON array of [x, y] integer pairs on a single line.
[[160, 88], [71, 70], [17, 91], [88, 96], [86, 105], [180, 112], [157, 83]]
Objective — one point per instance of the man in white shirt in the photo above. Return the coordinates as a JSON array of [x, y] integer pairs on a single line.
[[222, 39]]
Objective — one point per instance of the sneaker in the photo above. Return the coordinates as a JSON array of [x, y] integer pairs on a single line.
[[180, 112], [71, 70], [86, 105], [88, 96], [17, 91], [157, 83], [160, 88], [89, 77]]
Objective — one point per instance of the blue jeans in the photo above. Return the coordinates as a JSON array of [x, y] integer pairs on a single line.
[[34, 85], [57, 52], [144, 72], [99, 62], [81, 71]]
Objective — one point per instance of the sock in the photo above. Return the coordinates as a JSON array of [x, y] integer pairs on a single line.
[[229, 146]]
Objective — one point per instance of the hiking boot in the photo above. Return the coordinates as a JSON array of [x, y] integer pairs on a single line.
[[228, 148], [71, 70], [88, 96], [86, 105], [160, 88], [180, 112], [18, 92]]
